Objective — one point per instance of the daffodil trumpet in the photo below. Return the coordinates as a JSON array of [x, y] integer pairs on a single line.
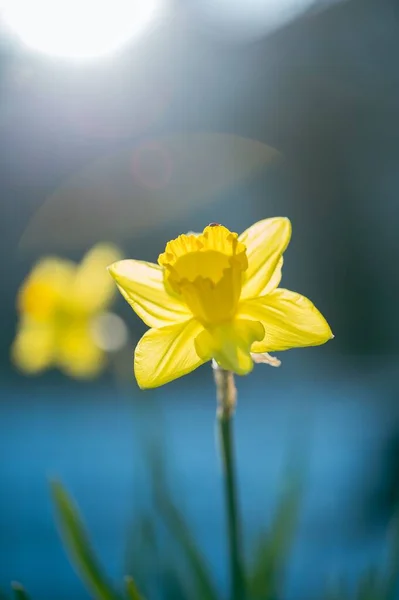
[[215, 295]]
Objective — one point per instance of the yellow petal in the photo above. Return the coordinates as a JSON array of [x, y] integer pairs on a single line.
[[33, 348], [265, 242], [290, 321], [77, 353], [93, 289], [141, 284], [167, 353], [230, 344]]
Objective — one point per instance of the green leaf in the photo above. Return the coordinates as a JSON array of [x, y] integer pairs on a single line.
[[273, 548], [175, 522], [131, 589], [19, 591], [77, 544]]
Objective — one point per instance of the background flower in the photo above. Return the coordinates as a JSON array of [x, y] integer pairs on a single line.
[[61, 307]]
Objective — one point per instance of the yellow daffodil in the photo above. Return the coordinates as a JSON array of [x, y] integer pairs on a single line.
[[59, 305], [214, 295]]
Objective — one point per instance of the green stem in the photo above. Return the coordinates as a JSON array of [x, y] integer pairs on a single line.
[[226, 396]]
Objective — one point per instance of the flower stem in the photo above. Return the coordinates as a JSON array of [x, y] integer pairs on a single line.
[[226, 394]]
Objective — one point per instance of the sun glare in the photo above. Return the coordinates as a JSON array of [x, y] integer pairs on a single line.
[[78, 28]]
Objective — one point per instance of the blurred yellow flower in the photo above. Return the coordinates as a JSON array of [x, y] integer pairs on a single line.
[[60, 304], [214, 295]]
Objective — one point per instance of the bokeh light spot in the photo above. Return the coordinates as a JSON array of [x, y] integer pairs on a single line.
[[109, 332]]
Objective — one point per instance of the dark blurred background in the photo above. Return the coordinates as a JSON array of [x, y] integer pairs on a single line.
[[173, 132]]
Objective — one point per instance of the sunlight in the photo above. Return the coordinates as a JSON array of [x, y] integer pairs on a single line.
[[78, 28]]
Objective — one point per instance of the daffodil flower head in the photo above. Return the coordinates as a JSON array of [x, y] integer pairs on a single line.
[[214, 295], [60, 306]]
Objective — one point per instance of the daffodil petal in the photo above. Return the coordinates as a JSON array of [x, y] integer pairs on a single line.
[[275, 278], [290, 321], [33, 348], [167, 353], [48, 284], [265, 242], [93, 289], [77, 353], [230, 344], [141, 284]]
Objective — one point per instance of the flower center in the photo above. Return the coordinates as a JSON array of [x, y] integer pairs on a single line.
[[206, 270]]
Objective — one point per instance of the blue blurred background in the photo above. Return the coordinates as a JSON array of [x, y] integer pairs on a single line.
[[172, 132]]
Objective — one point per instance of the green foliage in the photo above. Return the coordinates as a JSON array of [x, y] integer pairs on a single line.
[[131, 589], [19, 591], [142, 551], [180, 531], [77, 544], [152, 564], [265, 576], [175, 522], [374, 584], [273, 547]]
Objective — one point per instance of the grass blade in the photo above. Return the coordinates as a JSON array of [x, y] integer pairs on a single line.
[[177, 526], [19, 591], [131, 589], [272, 551], [77, 544]]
